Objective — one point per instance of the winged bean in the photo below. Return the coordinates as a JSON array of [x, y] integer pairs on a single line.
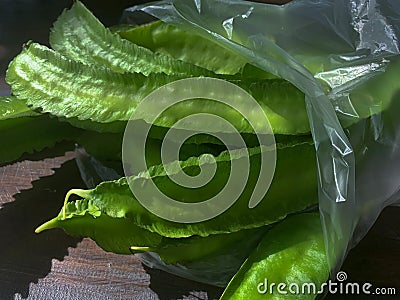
[[116, 199], [187, 46], [291, 254], [24, 131], [123, 236], [78, 34], [100, 95]]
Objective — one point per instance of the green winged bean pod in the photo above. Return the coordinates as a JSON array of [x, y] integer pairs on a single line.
[[120, 235], [79, 35], [291, 255], [66, 88], [192, 249], [25, 131], [84, 218], [367, 99], [47, 80], [11, 107], [116, 199], [108, 146], [187, 46]]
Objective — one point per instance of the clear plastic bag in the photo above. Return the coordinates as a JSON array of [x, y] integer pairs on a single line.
[[327, 49]]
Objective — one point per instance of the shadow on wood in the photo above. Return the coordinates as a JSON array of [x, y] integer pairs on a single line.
[[168, 286], [25, 257], [57, 150]]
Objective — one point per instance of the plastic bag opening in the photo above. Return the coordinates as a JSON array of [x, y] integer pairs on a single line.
[[331, 51]]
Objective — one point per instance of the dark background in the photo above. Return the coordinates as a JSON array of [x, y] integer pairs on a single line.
[[24, 20], [376, 259]]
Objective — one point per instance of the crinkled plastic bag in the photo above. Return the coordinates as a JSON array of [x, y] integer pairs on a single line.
[[317, 44]]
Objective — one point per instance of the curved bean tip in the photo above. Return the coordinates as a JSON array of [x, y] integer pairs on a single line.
[[48, 225], [78, 192]]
